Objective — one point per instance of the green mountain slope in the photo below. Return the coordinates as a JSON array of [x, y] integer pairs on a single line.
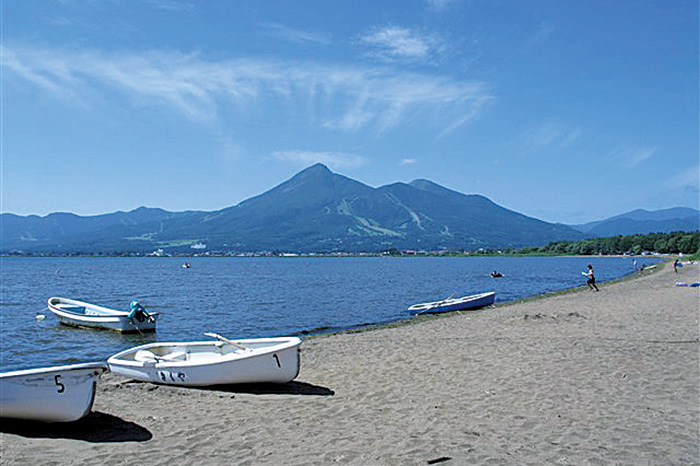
[[316, 210]]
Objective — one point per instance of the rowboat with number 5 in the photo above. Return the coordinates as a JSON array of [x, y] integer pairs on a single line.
[[50, 394], [219, 362]]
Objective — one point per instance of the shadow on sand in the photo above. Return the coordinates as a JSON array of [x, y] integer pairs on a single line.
[[289, 388], [96, 427]]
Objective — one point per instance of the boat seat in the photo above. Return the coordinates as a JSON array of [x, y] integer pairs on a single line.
[[146, 356], [175, 356]]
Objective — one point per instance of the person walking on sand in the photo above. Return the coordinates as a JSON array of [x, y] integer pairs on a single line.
[[591, 279], [675, 265]]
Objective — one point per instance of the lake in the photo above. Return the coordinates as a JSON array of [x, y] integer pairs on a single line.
[[253, 297]]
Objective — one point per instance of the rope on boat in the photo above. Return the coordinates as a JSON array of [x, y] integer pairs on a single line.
[[133, 321]]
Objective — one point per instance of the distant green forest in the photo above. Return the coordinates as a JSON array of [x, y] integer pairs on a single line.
[[663, 243]]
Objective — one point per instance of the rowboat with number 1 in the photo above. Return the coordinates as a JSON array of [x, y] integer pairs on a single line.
[[219, 362], [50, 394]]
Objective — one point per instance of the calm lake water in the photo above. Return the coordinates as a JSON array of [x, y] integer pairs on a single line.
[[252, 297]]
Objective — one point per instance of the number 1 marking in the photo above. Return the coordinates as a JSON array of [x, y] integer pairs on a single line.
[[277, 359]]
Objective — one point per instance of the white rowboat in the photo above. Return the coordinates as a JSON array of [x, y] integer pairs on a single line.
[[50, 394], [455, 304], [202, 363], [81, 314]]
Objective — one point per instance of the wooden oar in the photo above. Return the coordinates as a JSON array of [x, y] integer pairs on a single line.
[[226, 340]]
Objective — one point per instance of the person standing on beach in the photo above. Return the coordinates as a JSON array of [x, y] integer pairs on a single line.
[[675, 266], [591, 279]]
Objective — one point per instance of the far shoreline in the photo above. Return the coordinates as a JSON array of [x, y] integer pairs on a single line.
[[331, 255]]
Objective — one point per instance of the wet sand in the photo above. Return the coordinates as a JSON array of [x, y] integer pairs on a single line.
[[578, 378]]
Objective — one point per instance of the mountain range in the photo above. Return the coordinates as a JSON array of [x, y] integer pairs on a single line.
[[314, 211], [643, 221]]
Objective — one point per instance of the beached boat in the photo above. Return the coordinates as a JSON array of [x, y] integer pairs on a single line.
[[454, 304], [50, 394], [80, 314], [692, 284], [203, 363]]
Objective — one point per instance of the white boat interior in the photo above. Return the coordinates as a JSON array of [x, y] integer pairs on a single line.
[[199, 352]]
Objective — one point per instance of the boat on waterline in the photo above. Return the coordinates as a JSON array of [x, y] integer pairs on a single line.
[[50, 394], [219, 362], [692, 285], [454, 304], [81, 314]]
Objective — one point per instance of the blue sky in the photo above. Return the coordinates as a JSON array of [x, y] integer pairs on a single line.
[[565, 111]]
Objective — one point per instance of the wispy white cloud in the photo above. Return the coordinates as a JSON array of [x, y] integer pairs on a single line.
[[295, 35], [551, 134], [393, 43], [441, 5], [543, 33], [347, 98], [631, 156], [23, 68], [335, 160], [408, 161], [60, 21], [230, 151], [383, 99], [171, 5], [688, 179]]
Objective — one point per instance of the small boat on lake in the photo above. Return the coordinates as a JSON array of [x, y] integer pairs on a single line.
[[454, 304], [219, 362], [81, 314], [50, 394]]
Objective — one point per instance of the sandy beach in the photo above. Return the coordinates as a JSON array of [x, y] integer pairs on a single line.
[[581, 378]]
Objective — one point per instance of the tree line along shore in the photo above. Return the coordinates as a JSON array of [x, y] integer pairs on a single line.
[[677, 242]]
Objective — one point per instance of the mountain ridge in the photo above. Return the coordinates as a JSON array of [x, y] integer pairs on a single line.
[[641, 221], [315, 210]]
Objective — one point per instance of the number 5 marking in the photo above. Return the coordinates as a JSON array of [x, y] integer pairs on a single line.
[[62, 388]]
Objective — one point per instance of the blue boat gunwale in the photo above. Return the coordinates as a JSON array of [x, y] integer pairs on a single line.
[[71, 306]]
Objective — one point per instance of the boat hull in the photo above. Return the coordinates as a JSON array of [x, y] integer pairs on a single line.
[[85, 315], [456, 304], [267, 360], [50, 394]]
